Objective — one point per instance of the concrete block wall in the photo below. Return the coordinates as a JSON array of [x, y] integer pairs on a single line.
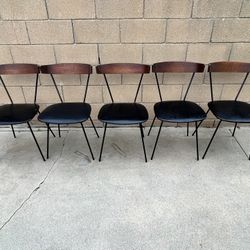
[[138, 31]]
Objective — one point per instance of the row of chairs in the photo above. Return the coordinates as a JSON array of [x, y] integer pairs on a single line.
[[130, 113]]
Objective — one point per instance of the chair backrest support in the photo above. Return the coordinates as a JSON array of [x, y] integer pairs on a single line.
[[177, 67], [123, 68], [67, 68], [228, 67], [19, 69]]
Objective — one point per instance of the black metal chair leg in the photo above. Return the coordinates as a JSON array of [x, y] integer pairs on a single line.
[[200, 123], [59, 130], [94, 127], [152, 124], [188, 129], [36, 141], [13, 131], [157, 138], [211, 139], [197, 143], [235, 126], [47, 141], [143, 145], [103, 138], [87, 141]]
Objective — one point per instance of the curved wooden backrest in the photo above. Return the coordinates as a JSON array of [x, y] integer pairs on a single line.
[[66, 68], [18, 68], [177, 67], [229, 67], [123, 68]]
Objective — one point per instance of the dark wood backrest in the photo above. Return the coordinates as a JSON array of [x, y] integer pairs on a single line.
[[178, 67], [240, 67], [66, 68], [122, 68], [228, 67], [18, 68]]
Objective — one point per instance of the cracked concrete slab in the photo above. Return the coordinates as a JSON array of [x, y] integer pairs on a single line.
[[173, 202]]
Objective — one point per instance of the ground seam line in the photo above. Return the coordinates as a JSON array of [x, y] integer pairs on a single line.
[[38, 187]]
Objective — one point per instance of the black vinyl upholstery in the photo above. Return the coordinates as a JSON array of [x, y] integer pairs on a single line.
[[179, 111], [11, 114], [231, 111], [123, 113], [66, 113]]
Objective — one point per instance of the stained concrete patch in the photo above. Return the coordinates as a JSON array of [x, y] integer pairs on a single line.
[[172, 202]]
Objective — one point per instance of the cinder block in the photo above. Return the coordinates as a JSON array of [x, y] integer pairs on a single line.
[[168, 8], [143, 31], [50, 32], [77, 53], [120, 53], [19, 80], [230, 91], [15, 93], [5, 56], [38, 54], [182, 78], [214, 8], [96, 31], [13, 33], [121, 93], [240, 52], [64, 9], [201, 93], [169, 92], [23, 9], [207, 53], [245, 10], [189, 30], [153, 53], [45, 94], [231, 30], [119, 8], [225, 78], [76, 94]]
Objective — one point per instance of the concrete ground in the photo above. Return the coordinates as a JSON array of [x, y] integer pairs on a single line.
[[172, 202]]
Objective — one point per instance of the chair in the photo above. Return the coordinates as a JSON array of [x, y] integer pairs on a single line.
[[129, 113], [19, 113], [180, 111], [71, 112], [232, 111]]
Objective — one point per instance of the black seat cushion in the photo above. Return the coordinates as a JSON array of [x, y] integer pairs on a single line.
[[65, 113], [231, 111], [17, 113], [123, 113], [179, 111]]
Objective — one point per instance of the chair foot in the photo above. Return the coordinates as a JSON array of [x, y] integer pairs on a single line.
[[200, 123], [13, 131], [103, 138], [211, 140], [235, 126], [93, 125], [48, 129], [143, 145], [59, 130], [36, 141], [197, 142], [151, 126], [188, 129], [157, 138], [87, 142]]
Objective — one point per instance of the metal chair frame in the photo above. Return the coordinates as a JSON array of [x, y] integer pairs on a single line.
[[19, 69], [176, 67], [120, 68]]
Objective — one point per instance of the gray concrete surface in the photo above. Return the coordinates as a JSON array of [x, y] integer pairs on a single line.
[[172, 202]]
